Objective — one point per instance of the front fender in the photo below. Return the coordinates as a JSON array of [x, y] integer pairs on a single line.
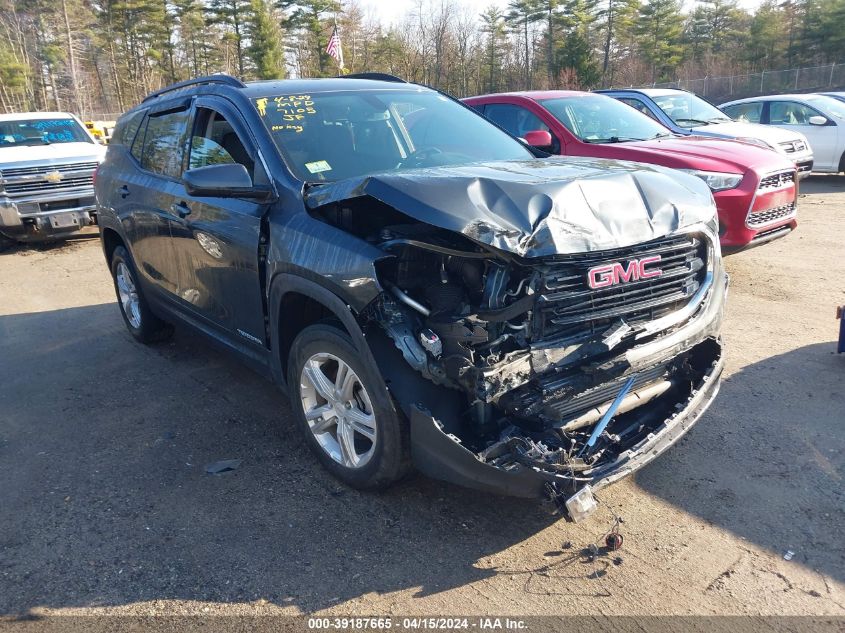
[[284, 283]]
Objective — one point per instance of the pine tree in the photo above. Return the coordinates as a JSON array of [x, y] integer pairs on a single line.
[[309, 19], [659, 28], [265, 36], [576, 51], [521, 15], [232, 15], [493, 28]]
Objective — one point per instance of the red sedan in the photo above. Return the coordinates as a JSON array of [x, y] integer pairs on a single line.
[[755, 189]]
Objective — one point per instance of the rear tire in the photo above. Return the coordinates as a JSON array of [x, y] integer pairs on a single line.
[[344, 410], [140, 321], [6, 243]]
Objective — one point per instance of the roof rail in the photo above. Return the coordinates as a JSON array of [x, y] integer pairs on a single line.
[[221, 78], [375, 76]]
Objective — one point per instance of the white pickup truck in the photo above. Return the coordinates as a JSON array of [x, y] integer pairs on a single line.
[[47, 164]]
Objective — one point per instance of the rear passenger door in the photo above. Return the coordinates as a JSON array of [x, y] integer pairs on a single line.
[[145, 192], [217, 240]]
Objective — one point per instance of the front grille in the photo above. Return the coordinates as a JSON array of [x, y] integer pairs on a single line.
[[567, 306], [791, 147], [45, 178], [561, 397], [43, 185], [41, 170], [761, 218], [775, 181]]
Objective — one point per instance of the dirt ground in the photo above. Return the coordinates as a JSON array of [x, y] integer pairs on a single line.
[[105, 506]]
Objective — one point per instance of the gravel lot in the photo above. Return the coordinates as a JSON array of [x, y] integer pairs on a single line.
[[105, 506]]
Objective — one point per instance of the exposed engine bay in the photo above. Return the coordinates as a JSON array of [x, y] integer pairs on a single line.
[[528, 362]]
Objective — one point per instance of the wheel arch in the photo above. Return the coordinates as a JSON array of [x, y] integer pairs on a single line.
[[296, 303], [111, 240]]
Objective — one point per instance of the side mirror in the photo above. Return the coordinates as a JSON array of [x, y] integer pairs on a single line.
[[538, 138], [227, 180], [817, 120]]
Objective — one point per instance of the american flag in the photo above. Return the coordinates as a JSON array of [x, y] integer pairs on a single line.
[[334, 48]]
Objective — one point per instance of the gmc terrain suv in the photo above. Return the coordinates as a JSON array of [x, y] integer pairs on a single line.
[[47, 163], [428, 289]]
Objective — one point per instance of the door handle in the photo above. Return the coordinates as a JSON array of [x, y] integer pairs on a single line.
[[124, 191], [181, 209]]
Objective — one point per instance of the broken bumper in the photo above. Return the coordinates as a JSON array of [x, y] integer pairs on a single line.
[[442, 456]]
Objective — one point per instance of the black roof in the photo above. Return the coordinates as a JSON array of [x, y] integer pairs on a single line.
[[222, 83]]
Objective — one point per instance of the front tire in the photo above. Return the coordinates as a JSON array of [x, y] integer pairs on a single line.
[[344, 410], [140, 321]]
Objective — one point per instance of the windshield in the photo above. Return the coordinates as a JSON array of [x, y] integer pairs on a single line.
[[828, 105], [329, 136], [600, 119], [41, 132], [688, 110]]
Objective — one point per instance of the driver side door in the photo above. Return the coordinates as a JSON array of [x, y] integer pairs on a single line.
[[217, 239]]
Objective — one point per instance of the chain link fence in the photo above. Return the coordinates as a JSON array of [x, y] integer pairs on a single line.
[[720, 89], [101, 116]]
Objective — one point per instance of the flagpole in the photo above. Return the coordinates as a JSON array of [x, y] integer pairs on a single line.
[[335, 48], [339, 44]]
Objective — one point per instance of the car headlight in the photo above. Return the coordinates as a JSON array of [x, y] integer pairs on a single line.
[[716, 180], [756, 141]]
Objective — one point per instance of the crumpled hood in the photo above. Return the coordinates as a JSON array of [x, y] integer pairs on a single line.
[[53, 153], [539, 207]]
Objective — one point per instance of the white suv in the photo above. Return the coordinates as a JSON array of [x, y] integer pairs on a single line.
[[47, 165], [818, 117]]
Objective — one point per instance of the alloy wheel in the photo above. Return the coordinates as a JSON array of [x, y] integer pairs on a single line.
[[128, 292], [338, 410]]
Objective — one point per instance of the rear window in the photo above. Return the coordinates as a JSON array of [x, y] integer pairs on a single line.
[[164, 143], [126, 129]]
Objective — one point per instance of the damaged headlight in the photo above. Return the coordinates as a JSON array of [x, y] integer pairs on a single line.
[[716, 180]]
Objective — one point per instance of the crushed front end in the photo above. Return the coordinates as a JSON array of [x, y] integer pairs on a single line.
[[510, 365], [546, 357]]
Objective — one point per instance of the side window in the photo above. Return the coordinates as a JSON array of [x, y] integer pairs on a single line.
[[215, 142], [746, 112], [515, 119], [164, 143], [126, 128], [790, 113], [138, 144], [639, 106]]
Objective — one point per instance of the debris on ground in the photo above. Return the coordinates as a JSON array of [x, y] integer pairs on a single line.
[[223, 466], [613, 541], [788, 555]]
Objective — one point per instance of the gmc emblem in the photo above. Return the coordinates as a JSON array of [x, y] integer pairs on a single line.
[[615, 273]]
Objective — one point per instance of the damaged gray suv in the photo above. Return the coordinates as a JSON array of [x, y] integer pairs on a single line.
[[430, 291]]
